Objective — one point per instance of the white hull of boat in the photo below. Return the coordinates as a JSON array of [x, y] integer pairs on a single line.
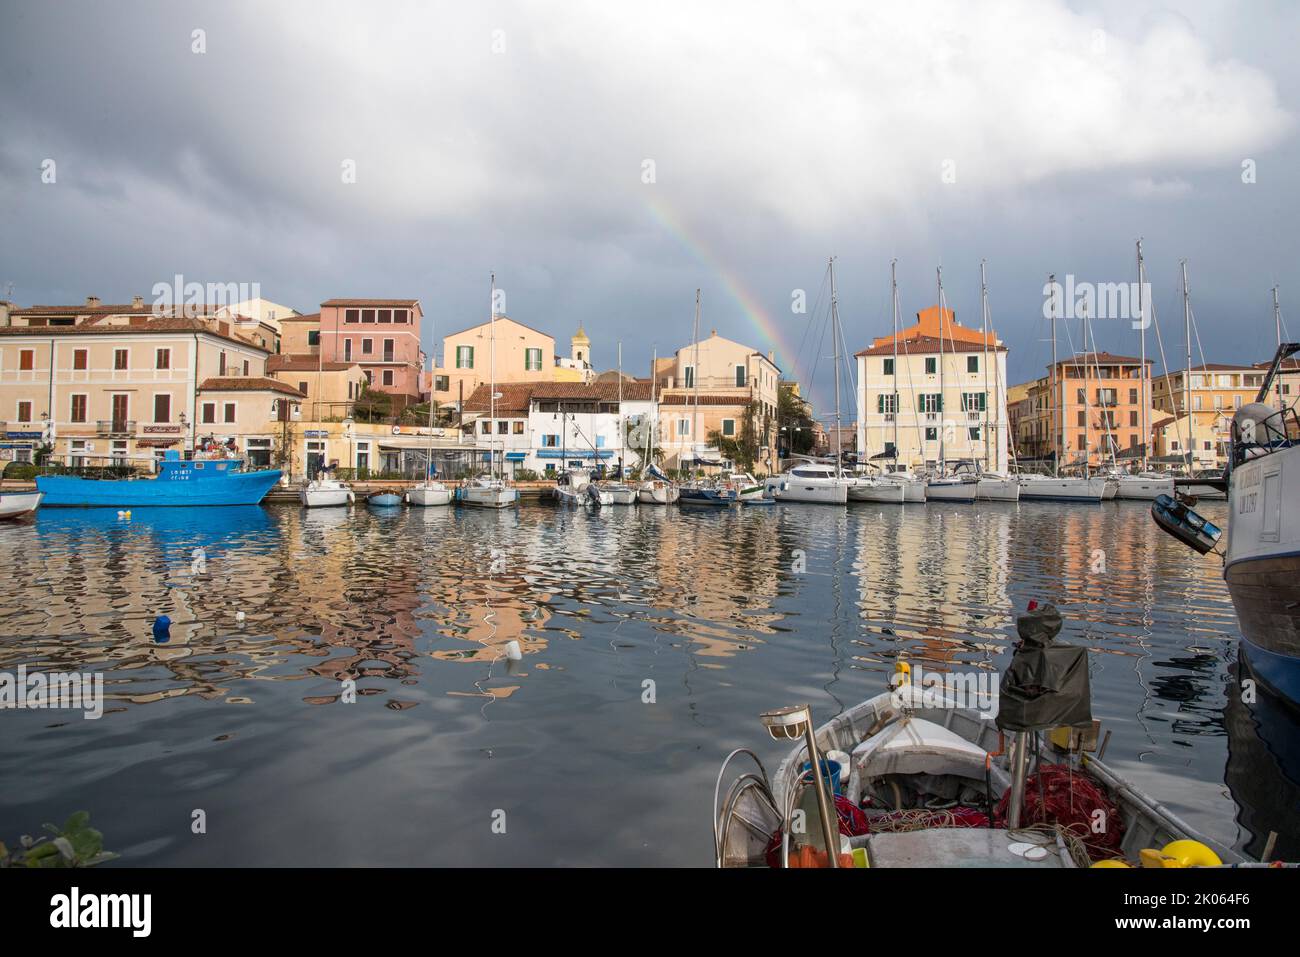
[[812, 491], [622, 494], [18, 504], [659, 494], [913, 489], [314, 496], [951, 491], [429, 495], [1205, 492], [489, 497], [1144, 489], [1063, 489], [998, 490], [891, 492]]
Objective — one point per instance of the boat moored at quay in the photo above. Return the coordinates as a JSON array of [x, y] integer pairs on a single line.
[[179, 482]]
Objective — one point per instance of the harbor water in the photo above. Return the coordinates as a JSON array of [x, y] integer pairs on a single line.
[[650, 640]]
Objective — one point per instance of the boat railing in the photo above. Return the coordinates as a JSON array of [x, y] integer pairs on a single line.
[[1275, 432]]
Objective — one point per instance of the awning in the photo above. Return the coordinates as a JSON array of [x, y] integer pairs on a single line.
[[575, 454], [516, 456]]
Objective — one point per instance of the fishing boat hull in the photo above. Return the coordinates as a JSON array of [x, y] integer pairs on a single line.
[[1136, 487], [429, 495], [951, 491], [657, 493], [1262, 566], [889, 492], [329, 496], [998, 490], [1048, 489], [385, 499], [182, 484], [18, 504]]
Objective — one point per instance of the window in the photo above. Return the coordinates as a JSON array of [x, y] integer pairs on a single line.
[[972, 365], [26, 359], [1083, 444], [370, 377], [931, 366], [729, 428], [1132, 396], [302, 387], [887, 403], [119, 358], [245, 367], [441, 383], [889, 367], [162, 359], [974, 401], [689, 377], [683, 426], [24, 411], [162, 408], [388, 380], [464, 357], [367, 347], [740, 383], [347, 350], [503, 428], [974, 437], [485, 427], [367, 315], [931, 402], [78, 413], [1083, 424], [388, 350], [221, 364], [1196, 404], [517, 428], [209, 414], [229, 412], [550, 441], [931, 434], [399, 315], [80, 359], [532, 360], [351, 315], [386, 315]]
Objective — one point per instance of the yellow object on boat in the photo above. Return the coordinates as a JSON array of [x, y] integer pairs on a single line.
[[902, 674], [1113, 862], [1183, 853]]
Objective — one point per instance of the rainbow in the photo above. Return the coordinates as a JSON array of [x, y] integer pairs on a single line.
[[764, 324]]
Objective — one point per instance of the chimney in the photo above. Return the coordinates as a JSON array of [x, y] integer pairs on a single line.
[[713, 333], [137, 302], [92, 302]]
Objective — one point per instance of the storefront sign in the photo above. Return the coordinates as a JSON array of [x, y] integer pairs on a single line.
[[161, 429], [23, 435]]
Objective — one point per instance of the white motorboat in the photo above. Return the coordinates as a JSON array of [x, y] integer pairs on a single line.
[[429, 493], [657, 492], [19, 504], [951, 488], [487, 492], [326, 493], [746, 487], [620, 493], [571, 487], [1061, 489], [866, 489], [814, 482], [993, 487], [1207, 492], [1146, 486], [597, 496]]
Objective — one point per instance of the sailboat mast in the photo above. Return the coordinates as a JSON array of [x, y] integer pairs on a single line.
[[1144, 378], [1277, 323], [622, 431], [893, 287], [492, 375], [835, 333], [1087, 411], [654, 415], [984, 359], [695, 379], [1056, 432], [938, 272], [1187, 385]]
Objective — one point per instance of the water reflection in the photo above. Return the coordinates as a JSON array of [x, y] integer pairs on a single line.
[[649, 639]]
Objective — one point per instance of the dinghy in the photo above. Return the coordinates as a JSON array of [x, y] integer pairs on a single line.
[[18, 504]]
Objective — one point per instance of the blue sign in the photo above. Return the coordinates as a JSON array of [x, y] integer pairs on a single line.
[[23, 435]]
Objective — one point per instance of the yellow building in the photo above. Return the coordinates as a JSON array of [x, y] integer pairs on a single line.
[[1217, 391], [523, 354]]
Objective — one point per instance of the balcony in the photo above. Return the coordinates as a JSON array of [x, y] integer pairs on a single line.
[[115, 426]]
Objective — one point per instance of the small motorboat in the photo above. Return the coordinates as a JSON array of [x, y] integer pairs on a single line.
[[19, 504], [706, 494], [571, 487], [384, 499], [657, 492], [746, 487], [325, 492], [596, 496], [1185, 525], [620, 493], [867, 489], [933, 774]]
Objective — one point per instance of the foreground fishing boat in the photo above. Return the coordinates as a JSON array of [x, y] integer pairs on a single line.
[[179, 482], [933, 779], [18, 504]]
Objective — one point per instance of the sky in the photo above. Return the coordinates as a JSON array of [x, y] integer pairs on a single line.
[[606, 160]]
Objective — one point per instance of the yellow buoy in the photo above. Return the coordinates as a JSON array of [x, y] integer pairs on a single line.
[[1191, 854], [1113, 862]]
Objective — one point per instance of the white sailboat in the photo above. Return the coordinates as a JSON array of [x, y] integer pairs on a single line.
[[491, 490], [912, 487], [817, 482], [874, 489], [325, 492], [620, 492], [993, 486], [942, 487], [430, 492]]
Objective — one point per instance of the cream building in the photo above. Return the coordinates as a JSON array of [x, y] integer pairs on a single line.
[[523, 354], [736, 384], [903, 410], [1217, 391]]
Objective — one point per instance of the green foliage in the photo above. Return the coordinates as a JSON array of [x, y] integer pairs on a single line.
[[76, 844], [372, 406], [796, 420], [525, 475]]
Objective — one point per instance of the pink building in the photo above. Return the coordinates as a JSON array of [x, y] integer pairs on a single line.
[[382, 336]]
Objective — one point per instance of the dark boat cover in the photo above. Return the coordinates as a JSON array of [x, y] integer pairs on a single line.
[[1046, 685]]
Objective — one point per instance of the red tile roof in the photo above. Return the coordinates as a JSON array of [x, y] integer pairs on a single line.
[[309, 317], [925, 345], [687, 399], [514, 397], [1101, 358], [142, 325], [370, 302], [303, 362], [247, 384]]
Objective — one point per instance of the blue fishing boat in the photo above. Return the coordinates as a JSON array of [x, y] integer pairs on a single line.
[[385, 499], [179, 482]]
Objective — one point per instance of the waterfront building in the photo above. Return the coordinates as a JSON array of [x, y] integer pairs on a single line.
[[1101, 426], [717, 389], [264, 311], [1217, 391], [94, 382], [578, 366], [330, 389], [901, 408], [547, 427]]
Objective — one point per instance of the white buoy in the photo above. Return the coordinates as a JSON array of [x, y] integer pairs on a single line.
[[239, 617], [121, 514], [513, 652]]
